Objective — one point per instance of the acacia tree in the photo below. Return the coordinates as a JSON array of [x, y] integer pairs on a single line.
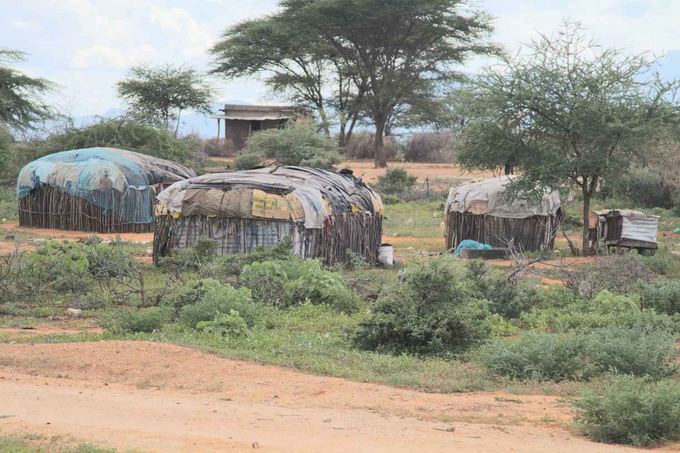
[[159, 95], [394, 47], [295, 63], [21, 102], [567, 114]]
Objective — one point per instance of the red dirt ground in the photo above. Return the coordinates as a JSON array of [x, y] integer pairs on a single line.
[[164, 398]]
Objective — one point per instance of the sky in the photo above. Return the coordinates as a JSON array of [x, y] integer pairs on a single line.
[[86, 46]]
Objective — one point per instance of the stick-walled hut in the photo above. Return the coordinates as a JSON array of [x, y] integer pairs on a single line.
[[326, 215], [104, 190], [480, 211]]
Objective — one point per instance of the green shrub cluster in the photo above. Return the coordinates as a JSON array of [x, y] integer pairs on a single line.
[[632, 411], [662, 296], [431, 312], [126, 320], [395, 181], [604, 310], [621, 350], [297, 144]]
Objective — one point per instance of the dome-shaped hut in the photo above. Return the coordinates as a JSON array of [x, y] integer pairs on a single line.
[[326, 214], [104, 190], [482, 212]]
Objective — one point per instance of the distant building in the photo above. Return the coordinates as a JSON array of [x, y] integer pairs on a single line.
[[242, 120]]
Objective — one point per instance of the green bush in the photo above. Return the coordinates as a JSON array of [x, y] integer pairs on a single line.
[[293, 281], [226, 325], [297, 144], [213, 298], [430, 147], [396, 181], [632, 411], [619, 274], [57, 266], [645, 187], [432, 312], [604, 310], [125, 321], [120, 133], [507, 298], [636, 351], [662, 296], [661, 263]]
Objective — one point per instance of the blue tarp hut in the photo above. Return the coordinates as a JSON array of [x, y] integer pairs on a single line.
[[105, 190]]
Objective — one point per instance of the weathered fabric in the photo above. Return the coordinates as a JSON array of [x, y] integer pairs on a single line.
[[486, 198], [276, 193], [92, 173]]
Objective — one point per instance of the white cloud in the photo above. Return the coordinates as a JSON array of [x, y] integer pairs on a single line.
[[104, 56], [24, 25]]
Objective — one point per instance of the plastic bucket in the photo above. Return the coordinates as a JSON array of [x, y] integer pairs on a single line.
[[386, 254]]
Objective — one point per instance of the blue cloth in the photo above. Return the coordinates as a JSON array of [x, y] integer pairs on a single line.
[[470, 244], [113, 179]]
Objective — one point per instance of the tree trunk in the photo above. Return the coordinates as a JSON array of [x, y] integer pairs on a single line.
[[342, 142], [380, 159], [324, 122], [179, 115], [586, 220]]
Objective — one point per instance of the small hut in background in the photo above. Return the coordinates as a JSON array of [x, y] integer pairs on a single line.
[[242, 120], [480, 211], [326, 215], [104, 190], [624, 228]]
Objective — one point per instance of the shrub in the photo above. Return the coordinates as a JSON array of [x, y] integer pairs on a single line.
[[136, 320], [543, 356], [605, 310], [360, 146], [213, 298], [57, 266], [121, 133], [294, 281], [507, 298], [226, 325], [661, 263], [430, 147], [621, 274], [643, 186], [296, 144], [632, 411], [430, 313], [108, 261], [396, 181], [662, 296]]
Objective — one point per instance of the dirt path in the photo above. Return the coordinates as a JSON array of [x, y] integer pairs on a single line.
[[159, 397]]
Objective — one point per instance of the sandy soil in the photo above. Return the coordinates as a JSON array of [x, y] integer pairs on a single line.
[[159, 397], [12, 228], [421, 170]]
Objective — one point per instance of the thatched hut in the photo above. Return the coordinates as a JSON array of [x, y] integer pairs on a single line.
[[104, 190], [326, 215], [482, 212]]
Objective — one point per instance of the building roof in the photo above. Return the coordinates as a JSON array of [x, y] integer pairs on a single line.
[[257, 112], [90, 173], [486, 198], [278, 193]]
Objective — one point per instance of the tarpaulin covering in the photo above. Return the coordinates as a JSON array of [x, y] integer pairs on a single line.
[[487, 198], [275, 193], [93, 174]]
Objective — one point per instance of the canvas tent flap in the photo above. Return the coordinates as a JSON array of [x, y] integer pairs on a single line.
[[92, 173], [487, 198]]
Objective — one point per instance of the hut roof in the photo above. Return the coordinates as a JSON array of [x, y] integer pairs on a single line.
[[257, 112], [486, 198], [89, 173], [280, 193]]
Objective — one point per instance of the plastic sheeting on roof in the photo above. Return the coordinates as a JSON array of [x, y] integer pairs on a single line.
[[486, 198], [282, 193], [90, 173]]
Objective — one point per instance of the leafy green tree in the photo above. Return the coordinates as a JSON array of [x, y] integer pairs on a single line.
[[567, 113], [159, 95], [397, 48], [294, 62], [21, 102]]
